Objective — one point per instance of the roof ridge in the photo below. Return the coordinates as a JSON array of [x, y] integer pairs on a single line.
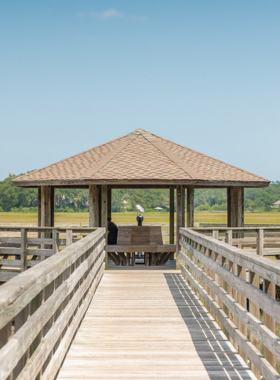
[[170, 157], [212, 158], [138, 135], [109, 157], [195, 151], [64, 159]]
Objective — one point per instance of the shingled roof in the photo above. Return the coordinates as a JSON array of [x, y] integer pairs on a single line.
[[140, 157]]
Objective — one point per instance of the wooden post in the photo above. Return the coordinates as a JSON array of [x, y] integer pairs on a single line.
[[270, 289], [39, 207], [180, 213], [109, 198], [69, 237], [104, 214], [242, 300], [254, 279], [94, 204], [23, 254], [171, 215], [47, 212], [235, 206], [260, 242], [47, 206], [55, 239], [190, 206]]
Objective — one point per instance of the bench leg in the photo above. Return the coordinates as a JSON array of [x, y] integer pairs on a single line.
[[122, 258], [146, 261], [133, 259], [127, 258], [156, 258]]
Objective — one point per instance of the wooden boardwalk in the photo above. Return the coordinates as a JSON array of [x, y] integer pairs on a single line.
[[150, 325]]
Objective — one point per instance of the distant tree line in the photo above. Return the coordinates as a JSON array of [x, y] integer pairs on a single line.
[[77, 200]]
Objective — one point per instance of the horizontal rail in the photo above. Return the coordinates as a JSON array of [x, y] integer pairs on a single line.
[[34, 245], [46, 305], [266, 268]]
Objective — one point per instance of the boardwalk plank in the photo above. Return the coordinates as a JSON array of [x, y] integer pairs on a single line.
[[150, 325]]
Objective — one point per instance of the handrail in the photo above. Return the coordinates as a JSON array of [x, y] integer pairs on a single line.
[[217, 271], [32, 245], [46, 304]]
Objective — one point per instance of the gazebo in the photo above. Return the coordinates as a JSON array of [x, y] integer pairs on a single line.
[[141, 159]]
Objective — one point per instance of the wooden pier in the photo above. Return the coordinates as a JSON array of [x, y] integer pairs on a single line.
[[69, 318], [150, 325]]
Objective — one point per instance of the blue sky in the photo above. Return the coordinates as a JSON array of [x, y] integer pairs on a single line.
[[75, 74]]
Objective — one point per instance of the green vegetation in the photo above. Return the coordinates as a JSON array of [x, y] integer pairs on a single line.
[[76, 200]]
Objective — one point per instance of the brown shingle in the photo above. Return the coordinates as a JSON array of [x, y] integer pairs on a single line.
[[139, 156]]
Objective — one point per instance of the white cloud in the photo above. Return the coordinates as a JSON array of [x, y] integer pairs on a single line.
[[80, 14], [109, 13], [114, 13]]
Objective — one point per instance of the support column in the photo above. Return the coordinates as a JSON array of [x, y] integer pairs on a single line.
[[180, 215], [109, 197], [39, 208], [46, 212], [46, 206], [235, 206], [171, 215], [94, 205], [190, 206], [104, 214]]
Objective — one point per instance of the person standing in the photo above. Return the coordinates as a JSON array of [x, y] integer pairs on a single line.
[[112, 231]]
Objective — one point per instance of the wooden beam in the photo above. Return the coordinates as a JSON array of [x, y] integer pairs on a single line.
[[140, 183], [180, 214], [171, 215], [109, 197], [235, 206], [47, 206], [94, 204], [104, 215], [39, 206], [190, 206]]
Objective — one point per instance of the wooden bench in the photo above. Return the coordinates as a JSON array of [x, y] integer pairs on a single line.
[[145, 239]]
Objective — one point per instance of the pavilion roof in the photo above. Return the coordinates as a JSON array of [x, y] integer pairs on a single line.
[[140, 157]]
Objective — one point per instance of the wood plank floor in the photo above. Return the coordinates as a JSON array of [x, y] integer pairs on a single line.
[[150, 325]]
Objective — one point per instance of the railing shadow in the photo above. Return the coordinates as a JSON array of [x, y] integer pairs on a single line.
[[217, 355]]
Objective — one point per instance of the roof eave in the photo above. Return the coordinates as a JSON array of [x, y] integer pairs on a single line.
[[190, 182]]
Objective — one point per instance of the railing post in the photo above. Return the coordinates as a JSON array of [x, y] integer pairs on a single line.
[[69, 237], [233, 293], [23, 253], [55, 237], [218, 280], [260, 242], [241, 272], [254, 280], [270, 289], [215, 234], [229, 237]]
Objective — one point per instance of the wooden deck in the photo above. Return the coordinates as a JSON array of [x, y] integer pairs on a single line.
[[150, 325]]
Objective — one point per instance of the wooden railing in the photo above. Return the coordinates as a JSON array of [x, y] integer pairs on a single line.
[[266, 240], [23, 247], [41, 309], [227, 279]]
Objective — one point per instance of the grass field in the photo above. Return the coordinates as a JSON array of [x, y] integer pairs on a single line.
[[129, 217]]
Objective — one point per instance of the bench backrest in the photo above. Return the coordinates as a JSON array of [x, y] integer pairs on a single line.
[[145, 235]]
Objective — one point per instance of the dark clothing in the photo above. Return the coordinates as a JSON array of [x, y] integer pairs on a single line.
[[113, 233]]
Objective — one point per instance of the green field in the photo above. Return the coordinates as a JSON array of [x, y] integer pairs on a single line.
[[129, 217]]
